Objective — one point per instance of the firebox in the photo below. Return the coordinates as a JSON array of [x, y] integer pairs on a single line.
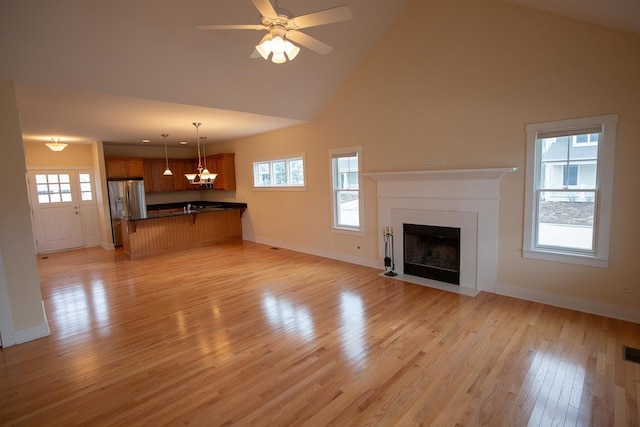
[[432, 252]]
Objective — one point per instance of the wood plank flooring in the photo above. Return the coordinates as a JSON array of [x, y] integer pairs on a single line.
[[244, 334]]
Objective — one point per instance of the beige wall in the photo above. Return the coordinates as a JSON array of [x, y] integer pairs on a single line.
[[17, 252], [38, 155], [458, 80]]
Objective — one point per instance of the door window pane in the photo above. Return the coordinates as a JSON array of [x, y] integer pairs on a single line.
[[53, 188]]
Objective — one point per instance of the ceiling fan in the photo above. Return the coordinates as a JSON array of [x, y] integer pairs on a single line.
[[284, 29]]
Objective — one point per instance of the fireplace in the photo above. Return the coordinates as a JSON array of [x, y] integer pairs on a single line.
[[432, 252], [466, 199]]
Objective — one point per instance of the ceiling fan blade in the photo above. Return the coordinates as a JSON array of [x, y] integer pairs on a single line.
[[328, 16], [231, 27], [255, 54], [265, 8], [309, 42]]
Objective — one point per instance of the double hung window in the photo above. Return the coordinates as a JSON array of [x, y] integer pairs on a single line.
[[569, 188], [346, 177]]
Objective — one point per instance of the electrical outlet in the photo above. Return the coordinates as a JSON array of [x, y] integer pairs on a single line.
[[442, 162], [626, 289]]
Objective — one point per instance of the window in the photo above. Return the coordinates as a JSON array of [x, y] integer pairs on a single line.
[[85, 187], [346, 167], [281, 173], [53, 188], [569, 190]]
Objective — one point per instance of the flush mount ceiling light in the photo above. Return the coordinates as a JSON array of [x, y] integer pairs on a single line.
[[283, 30], [167, 171], [56, 145]]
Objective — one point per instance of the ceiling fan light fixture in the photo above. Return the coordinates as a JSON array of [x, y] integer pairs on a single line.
[[277, 45], [278, 58], [264, 47], [291, 50]]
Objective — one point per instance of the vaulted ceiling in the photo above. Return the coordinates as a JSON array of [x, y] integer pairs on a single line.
[[122, 71]]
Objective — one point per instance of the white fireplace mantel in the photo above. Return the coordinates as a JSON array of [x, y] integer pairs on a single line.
[[464, 198]]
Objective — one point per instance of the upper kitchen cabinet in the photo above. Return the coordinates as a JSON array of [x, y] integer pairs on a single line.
[[124, 168], [154, 179], [225, 166]]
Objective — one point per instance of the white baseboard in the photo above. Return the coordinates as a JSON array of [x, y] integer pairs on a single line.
[[314, 251], [32, 333], [108, 246], [572, 303]]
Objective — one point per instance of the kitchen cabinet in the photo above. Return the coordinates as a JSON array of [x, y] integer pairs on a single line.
[[124, 167], [180, 183], [225, 167], [154, 180], [152, 171]]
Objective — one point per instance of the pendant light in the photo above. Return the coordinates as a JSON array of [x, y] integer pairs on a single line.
[[206, 177], [56, 145], [167, 171], [194, 178]]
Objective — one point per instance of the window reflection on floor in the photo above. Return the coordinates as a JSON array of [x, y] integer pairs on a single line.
[[293, 319], [75, 310], [353, 325], [558, 383]]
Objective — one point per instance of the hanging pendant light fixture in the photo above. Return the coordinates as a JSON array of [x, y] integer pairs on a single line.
[[206, 178], [56, 145], [194, 178], [167, 171]]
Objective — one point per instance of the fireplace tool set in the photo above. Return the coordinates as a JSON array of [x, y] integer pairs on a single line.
[[389, 261]]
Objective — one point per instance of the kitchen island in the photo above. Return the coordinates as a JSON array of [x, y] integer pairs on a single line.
[[168, 228]]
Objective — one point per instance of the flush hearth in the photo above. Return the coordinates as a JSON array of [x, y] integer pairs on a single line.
[[432, 252]]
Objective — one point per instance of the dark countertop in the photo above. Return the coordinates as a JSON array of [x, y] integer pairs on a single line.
[[196, 208]]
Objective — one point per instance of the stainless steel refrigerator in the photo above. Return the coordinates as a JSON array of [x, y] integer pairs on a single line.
[[126, 201]]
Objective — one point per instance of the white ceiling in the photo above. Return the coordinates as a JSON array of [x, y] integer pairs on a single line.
[[122, 71]]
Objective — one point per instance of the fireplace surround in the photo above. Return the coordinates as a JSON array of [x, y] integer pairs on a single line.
[[467, 199]]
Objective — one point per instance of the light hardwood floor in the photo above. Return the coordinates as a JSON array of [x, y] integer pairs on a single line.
[[244, 334]]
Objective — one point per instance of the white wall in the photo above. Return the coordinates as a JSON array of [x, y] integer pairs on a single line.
[[19, 279]]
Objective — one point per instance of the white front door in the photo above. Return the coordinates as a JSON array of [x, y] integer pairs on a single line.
[[57, 200]]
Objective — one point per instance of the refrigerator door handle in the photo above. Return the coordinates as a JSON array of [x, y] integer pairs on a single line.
[[128, 201]]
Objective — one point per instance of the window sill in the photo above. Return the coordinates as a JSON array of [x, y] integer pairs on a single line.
[[566, 258], [349, 231]]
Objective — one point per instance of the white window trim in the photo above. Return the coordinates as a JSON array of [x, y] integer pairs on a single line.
[[359, 231], [604, 190], [282, 187]]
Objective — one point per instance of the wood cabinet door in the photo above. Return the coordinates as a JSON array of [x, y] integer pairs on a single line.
[[148, 177], [179, 181], [134, 168], [160, 181], [224, 166], [116, 168], [124, 168]]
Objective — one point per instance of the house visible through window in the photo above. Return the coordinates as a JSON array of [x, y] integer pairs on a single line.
[[569, 187], [279, 173], [346, 189]]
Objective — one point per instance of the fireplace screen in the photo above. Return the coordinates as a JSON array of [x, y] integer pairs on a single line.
[[432, 252]]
